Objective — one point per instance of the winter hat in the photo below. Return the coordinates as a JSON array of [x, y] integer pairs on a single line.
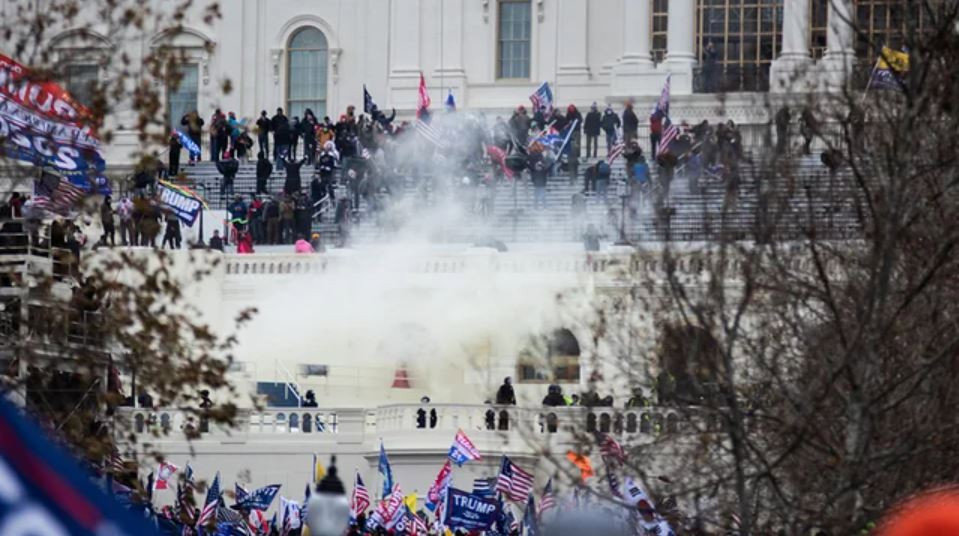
[[594, 107]]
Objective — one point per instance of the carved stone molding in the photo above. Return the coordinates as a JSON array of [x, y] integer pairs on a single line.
[[335, 63], [275, 55]]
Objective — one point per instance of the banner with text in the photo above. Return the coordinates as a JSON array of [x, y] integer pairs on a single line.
[[183, 202], [469, 512], [40, 123]]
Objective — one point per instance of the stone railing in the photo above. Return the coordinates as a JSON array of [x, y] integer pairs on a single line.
[[269, 421], [239, 267], [403, 419]]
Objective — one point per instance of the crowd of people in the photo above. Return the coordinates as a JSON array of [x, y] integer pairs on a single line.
[[330, 168]]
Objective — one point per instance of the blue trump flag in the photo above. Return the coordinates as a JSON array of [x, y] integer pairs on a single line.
[[386, 471], [469, 512], [188, 143], [258, 499], [46, 492]]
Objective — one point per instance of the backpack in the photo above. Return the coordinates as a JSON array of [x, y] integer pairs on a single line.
[[602, 170]]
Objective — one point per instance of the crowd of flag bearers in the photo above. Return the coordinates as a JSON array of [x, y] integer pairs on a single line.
[[508, 503]]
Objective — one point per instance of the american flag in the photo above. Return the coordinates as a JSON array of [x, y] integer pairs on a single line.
[[361, 497], [610, 448], [55, 194], [208, 513], [670, 133], [611, 478], [498, 156], [483, 487], [615, 152], [513, 481], [662, 105], [417, 525], [549, 498], [543, 96], [430, 134]]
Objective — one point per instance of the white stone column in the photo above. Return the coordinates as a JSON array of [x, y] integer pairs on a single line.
[[681, 44], [405, 39], [840, 35], [573, 62], [449, 72], [633, 73], [405, 60], [789, 72]]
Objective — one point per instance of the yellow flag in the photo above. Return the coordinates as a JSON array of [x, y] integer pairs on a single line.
[[318, 470], [410, 501], [893, 60]]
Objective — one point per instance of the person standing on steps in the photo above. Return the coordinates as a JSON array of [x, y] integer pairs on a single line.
[[591, 128], [263, 133], [263, 171], [610, 123]]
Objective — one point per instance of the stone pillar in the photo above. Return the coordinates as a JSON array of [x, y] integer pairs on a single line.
[[573, 63], [681, 44], [789, 72], [840, 35], [405, 61], [449, 72], [633, 73]]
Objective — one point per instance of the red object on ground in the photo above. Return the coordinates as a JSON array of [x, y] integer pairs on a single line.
[[932, 514]]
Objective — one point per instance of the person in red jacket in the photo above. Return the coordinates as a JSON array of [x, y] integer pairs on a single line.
[[655, 131]]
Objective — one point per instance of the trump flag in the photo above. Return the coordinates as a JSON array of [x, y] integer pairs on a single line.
[[44, 491]]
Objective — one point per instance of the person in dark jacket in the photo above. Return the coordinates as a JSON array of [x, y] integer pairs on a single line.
[[175, 147], [263, 171], [215, 120], [308, 130], [591, 127], [610, 123], [295, 133], [106, 220], [263, 132], [276, 122], [228, 168], [216, 242], [539, 118], [630, 124], [172, 233], [194, 129], [554, 397], [293, 183], [505, 396], [520, 124], [222, 136], [538, 171]]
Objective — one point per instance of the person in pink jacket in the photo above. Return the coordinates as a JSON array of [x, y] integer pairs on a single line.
[[302, 246]]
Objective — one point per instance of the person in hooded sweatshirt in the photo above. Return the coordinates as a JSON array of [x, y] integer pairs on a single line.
[[610, 123], [592, 127], [263, 171]]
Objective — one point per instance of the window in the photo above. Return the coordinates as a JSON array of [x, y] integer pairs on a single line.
[[181, 96], [886, 23], [81, 81], [554, 358], [818, 27], [736, 41], [515, 28], [660, 22], [307, 57]]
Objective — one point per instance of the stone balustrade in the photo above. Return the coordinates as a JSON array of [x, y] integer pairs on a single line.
[[403, 419], [695, 264]]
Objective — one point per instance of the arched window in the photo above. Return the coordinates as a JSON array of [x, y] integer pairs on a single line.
[[551, 358], [307, 55]]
